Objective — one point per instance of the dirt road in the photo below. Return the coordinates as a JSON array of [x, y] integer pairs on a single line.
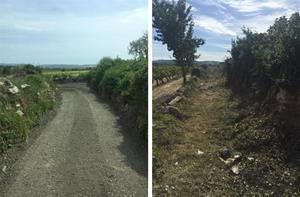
[[81, 152], [168, 88]]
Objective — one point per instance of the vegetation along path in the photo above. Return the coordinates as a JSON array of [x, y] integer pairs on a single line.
[[82, 151], [187, 152]]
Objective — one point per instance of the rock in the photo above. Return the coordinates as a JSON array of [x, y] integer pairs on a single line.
[[167, 188], [175, 112], [24, 86], [19, 112], [199, 152], [176, 163], [250, 158], [4, 169], [13, 90], [235, 169], [175, 100], [237, 157]]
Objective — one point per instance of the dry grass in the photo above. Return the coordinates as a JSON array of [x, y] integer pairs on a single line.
[[180, 171]]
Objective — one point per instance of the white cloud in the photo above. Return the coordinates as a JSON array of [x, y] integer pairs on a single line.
[[212, 3], [255, 5], [264, 22], [212, 55], [256, 21], [223, 46], [225, 20], [213, 25]]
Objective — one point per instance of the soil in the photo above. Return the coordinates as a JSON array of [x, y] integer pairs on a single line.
[[167, 88]]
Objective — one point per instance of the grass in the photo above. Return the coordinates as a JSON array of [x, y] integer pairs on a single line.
[[62, 75], [33, 101], [73, 73], [215, 121]]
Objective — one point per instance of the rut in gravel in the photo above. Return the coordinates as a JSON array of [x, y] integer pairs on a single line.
[[81, 152]]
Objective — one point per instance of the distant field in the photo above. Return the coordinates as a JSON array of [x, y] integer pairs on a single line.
[[73, 73]]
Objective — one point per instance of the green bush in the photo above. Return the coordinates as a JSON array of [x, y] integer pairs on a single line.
[[260, 61], [33, 101], [262, 65], [19, 70], [125, 81]]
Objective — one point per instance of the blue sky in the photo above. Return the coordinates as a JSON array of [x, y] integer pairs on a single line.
[[220, 21], [68, 31]]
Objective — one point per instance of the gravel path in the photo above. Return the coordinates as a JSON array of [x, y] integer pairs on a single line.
[[82, 151]]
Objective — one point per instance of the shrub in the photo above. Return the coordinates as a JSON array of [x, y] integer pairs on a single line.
[[33, 101], [125, 81], [262, 60]]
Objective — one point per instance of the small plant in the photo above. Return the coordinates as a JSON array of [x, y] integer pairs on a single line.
[[21, 111]]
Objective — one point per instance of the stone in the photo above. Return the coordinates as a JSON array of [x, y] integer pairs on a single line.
[[24, 86], [235, 169], [177, 99], [13, 90], [199, 152], [20, 113], [4, 169], [250, 158]]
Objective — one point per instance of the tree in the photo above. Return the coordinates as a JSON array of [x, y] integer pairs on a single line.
[[139, 47], [174, 27]]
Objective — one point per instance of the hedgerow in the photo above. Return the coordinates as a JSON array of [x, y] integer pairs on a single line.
[[126, 82], [260, 61]]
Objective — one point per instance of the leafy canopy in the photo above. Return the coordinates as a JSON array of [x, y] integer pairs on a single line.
[[175, 27], [139, 47]]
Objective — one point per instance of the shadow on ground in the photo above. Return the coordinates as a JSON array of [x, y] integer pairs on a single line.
[[132, 147]]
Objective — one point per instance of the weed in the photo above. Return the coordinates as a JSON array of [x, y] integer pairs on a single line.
[[30, 102]]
